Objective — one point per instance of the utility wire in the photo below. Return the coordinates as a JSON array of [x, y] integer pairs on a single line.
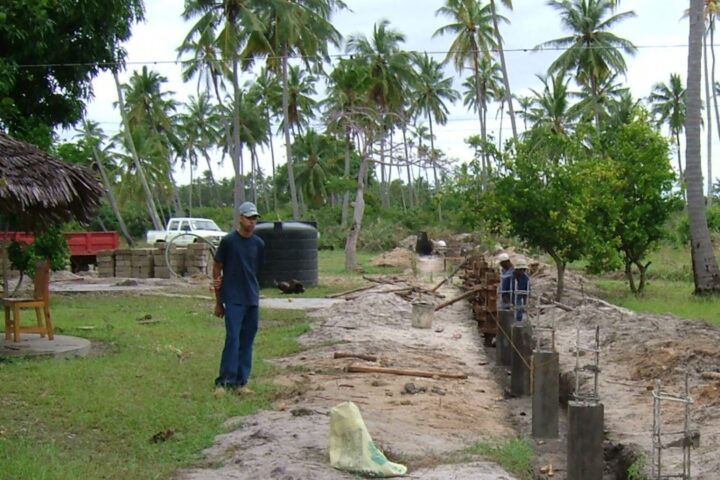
[[315, 57]]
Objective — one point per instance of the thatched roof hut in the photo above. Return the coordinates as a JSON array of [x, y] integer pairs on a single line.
[[37, 189]]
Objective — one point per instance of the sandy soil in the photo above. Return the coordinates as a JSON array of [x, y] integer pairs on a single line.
[[428, 430]]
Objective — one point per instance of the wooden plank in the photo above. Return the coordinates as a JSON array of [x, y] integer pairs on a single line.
[[354, 368]]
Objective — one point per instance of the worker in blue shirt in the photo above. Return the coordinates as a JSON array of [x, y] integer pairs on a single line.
[[520, 287], [506, 277]]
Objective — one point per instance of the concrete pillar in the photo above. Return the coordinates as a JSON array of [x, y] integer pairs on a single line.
[[545, 394], [502, 340], [522, 345], [585, 440]]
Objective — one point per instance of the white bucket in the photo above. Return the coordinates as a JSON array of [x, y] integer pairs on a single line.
[[422, 314]]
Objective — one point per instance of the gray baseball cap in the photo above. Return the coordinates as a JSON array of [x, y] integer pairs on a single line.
[[248, 209]]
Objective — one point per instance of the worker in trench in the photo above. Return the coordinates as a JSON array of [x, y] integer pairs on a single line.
[[514, 285]]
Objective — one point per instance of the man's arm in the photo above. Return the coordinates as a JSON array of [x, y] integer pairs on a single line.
[[217, 283]]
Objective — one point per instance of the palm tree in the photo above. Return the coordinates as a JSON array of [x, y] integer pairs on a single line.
[[301, 105], [266, 91], [668, 103], [149, 199], [293, 27], [430, 93], [472, 25], [230, 23], [591, 49], [551, 107], [501, 53], [348, 86], [478, 92], [205, 61], [525, 103], [705, 269], [199, 127], [93, 135], [390, 72], [318, 157], [147, 105]]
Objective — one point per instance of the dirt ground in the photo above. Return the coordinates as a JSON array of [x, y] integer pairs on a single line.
[[428, 430]]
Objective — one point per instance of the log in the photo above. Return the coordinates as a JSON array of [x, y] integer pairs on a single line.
[[402, 371], [361, 356], [462, 264], [467, 294], [348, 292], [710, 375]]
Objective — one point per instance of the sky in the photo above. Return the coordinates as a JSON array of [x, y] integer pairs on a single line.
[[659, 31]]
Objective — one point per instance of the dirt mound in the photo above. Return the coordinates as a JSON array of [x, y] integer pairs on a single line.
[[398, 257]]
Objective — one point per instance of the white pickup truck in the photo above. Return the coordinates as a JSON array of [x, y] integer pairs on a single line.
[[177, 228]]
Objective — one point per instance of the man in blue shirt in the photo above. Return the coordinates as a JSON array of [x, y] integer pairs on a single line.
[[520, 287], [237, 298]]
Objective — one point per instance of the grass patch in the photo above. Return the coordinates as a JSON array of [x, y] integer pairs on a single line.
[[664, 296], [515, 455], [94, 417]]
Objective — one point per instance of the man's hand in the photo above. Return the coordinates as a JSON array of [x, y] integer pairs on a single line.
[[219, 310], [217, 283]]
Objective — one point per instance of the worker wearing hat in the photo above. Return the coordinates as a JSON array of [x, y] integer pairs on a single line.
[[520, 287], [506, 275]]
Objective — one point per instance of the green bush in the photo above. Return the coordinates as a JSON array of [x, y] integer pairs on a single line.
[[50, 245]]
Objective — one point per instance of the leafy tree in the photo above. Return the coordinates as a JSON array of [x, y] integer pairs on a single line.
[[84, 33], [541, 197], [636, 192]]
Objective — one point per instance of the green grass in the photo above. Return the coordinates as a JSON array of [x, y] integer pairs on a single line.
[[664, 296], [94, 417], [515, 455]]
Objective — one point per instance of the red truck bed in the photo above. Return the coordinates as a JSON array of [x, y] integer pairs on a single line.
[[83, 245]]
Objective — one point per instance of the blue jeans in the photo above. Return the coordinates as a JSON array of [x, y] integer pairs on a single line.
[[241, 325]]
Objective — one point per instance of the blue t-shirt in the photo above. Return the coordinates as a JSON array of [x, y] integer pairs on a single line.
[[241, 259]]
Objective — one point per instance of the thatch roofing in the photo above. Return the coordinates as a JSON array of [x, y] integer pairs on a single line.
[[37, 189]]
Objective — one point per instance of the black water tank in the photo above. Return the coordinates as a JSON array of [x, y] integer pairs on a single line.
[[291, 253]]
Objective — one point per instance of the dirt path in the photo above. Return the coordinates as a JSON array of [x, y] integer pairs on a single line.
[[427, 430]]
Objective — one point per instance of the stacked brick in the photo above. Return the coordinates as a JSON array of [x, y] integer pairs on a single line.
[[485, 278], [141, 263], [198, 259], [123, 263], [106, 263], [176, 258]]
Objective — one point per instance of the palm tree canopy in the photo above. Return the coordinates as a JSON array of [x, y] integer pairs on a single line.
[[472, 25], [668, 103], [431, 89], [591, 48]]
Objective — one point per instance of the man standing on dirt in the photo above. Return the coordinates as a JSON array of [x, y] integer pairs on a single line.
[[237, 297]]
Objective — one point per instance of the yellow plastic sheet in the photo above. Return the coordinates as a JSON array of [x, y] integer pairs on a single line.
[[352, 449]]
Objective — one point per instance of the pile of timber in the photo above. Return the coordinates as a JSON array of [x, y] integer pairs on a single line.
[[482, 278]]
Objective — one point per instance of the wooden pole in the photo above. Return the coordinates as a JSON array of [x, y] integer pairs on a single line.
[[401, 371], [469, 293]]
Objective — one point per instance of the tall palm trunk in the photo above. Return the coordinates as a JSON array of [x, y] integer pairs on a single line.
[[483, 132], [173, 187], [288, 145], [346, 175], [253, 174], [236, 152], [503, 66], [358, 212], [109, 190], [407, 166], [681, 173], [214, 187], [705, 269], [384, 198], [708, 109], [150, 203], [432, 149], [715, 105], [272, 158]]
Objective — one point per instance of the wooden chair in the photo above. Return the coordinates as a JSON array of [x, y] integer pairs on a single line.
[[40, 302]]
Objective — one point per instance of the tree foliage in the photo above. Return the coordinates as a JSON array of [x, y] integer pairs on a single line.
[[50, 52]]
